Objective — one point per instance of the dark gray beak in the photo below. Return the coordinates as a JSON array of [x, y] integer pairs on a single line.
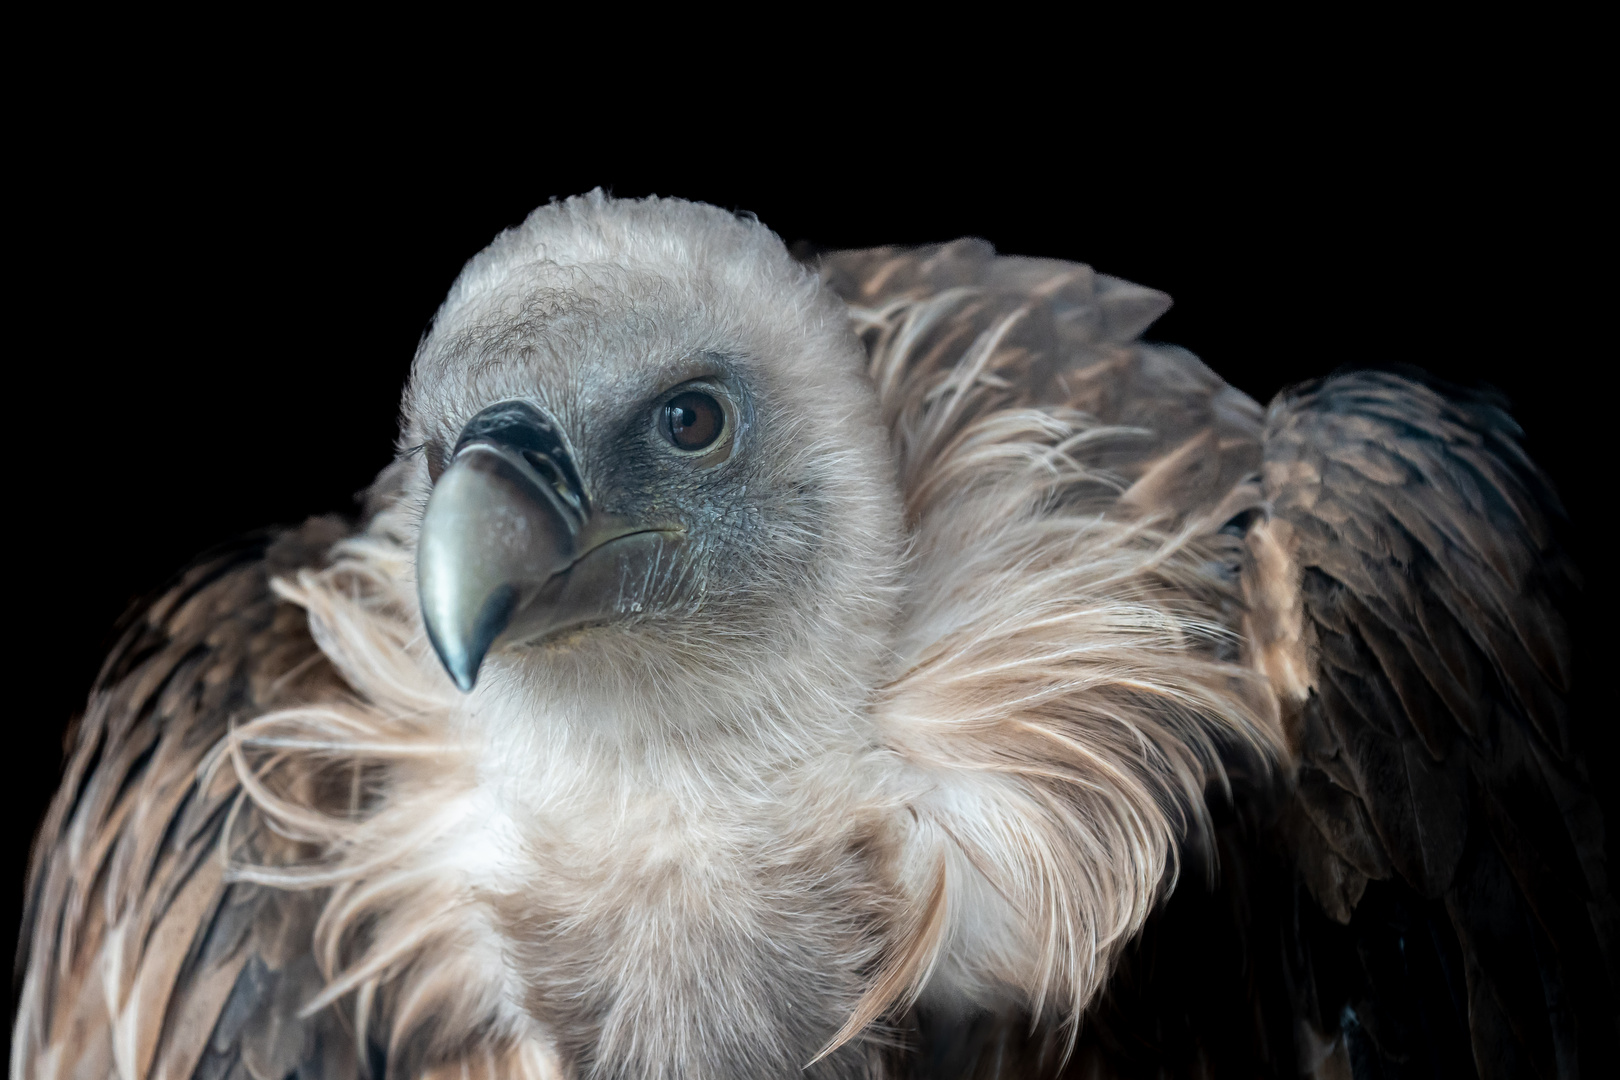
[[511, 548]]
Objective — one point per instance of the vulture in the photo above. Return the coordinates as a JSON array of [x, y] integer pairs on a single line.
[[871, 664]]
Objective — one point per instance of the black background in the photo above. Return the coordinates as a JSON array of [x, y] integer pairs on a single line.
[[216, 297]]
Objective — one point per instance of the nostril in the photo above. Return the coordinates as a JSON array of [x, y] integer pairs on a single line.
[[562, 481]]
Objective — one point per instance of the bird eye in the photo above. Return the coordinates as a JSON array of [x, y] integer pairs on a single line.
[[693, 420]]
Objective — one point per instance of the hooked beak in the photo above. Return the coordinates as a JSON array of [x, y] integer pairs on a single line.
[[511, 548]]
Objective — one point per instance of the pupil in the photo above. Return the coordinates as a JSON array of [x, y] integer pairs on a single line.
[[694, 420]]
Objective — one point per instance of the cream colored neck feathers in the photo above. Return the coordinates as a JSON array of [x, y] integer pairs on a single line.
[[958, 768]]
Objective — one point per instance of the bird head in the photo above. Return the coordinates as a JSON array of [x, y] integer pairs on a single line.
[[649, 462]]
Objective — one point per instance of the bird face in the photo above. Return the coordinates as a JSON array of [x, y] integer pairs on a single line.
[[648, 451], [516, 547]]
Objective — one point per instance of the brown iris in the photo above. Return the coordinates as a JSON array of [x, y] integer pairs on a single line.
[[693, 420]]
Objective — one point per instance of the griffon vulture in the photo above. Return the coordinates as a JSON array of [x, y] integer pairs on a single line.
[[884, 665]]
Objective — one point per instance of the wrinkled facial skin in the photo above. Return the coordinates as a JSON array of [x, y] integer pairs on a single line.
[[719, 500]]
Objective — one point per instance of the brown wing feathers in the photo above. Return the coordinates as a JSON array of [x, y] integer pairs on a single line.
[[153, 964], [1441, 811]]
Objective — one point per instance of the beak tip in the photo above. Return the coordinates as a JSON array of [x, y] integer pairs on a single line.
[[462, 669], [469, 644], [463, 674]]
